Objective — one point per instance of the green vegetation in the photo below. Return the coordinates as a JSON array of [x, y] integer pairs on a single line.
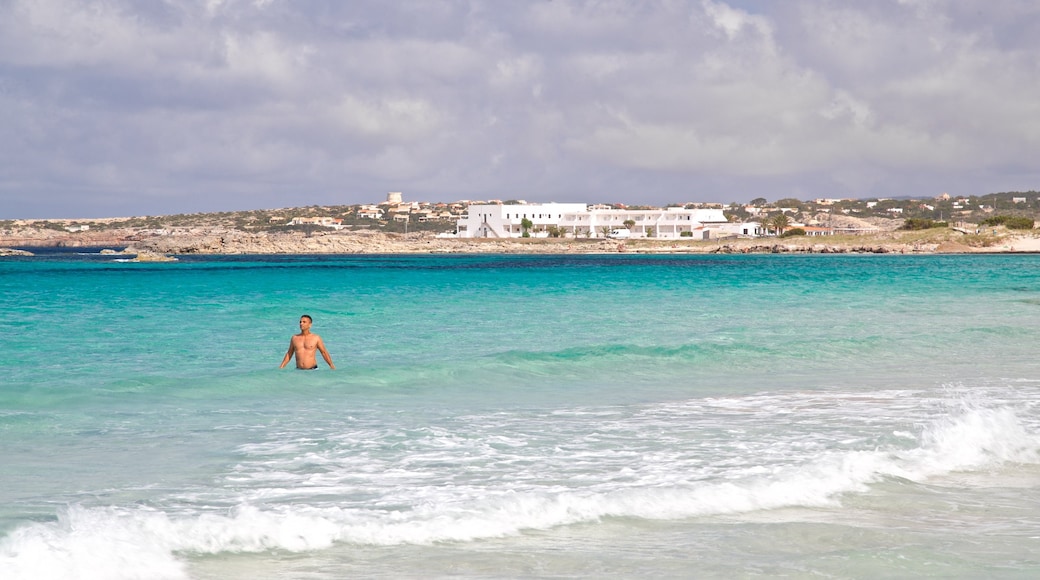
[[47, 225], [1010, 222], [779, 222], [790, 202], [525, 225], [922, 224], [793, 232]]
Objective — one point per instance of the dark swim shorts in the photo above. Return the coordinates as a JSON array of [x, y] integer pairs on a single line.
[[313, 368]]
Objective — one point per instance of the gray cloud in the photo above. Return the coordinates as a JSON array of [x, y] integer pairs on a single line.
[[127, 108]]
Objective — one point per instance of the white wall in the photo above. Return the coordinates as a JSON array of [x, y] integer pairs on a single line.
[[576, 220]]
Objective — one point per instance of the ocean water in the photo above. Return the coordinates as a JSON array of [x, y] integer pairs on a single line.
[[521, 416]]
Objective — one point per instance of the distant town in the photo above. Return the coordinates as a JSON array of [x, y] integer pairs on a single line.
[[514, 218]]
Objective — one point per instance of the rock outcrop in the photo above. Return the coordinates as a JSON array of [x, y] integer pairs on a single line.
[[14, 252], [360, 242], [147, 256]]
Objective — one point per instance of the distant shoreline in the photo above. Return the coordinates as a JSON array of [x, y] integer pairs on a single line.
[[222, 240], [226, 241]]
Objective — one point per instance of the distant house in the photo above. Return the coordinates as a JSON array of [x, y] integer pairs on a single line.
[[816, 231], [741, 229], [404, 207], [370, 212], [829, 201], [79, 228], [327, 222]]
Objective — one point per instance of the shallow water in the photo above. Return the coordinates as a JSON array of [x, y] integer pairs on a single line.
[[566, 416]]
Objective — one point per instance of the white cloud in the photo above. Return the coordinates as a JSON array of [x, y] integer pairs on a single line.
[[197, 101], [733, 21], [265, 56], [524, 70], [400, 119]]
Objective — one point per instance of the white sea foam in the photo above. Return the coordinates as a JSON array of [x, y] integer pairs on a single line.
[[89, 544], [974, 440], [139, 542]]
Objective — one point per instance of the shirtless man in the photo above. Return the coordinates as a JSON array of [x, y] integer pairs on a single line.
[[304, 346]]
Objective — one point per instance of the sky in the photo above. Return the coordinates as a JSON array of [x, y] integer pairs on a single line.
[[120, 107]]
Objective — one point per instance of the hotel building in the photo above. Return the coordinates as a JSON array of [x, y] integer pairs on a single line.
[[577, 220]]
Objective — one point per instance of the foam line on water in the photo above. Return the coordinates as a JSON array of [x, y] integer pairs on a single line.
[[134, 542]]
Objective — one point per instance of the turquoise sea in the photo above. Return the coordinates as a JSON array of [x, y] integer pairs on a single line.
[[521, 416]]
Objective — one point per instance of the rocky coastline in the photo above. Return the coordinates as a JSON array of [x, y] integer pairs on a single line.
[[224, 240], [13, 252]]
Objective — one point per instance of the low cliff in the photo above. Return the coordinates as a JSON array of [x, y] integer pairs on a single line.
[[225, 240]]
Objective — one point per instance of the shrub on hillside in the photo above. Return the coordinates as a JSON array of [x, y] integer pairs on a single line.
[[921, 224], [1010, 222]]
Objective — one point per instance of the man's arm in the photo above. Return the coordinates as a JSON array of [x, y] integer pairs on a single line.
[[325, 354], [288, 354]]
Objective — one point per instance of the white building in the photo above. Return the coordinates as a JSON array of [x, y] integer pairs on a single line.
[[372, 212], [740, 229], [328, 222], [504, 221], [578, 220]]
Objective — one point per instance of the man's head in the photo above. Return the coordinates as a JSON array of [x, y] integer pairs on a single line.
[[305, 321]]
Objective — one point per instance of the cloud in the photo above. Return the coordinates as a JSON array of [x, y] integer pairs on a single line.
[[734, 21], [117, 106]]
